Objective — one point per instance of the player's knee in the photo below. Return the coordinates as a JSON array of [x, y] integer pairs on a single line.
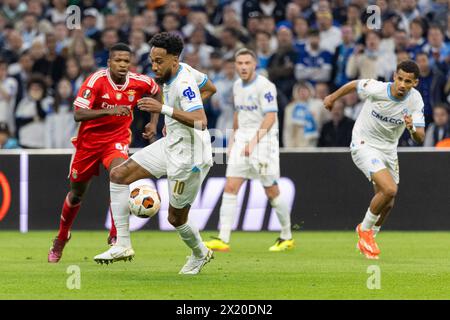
[[176, 220], [75, 197], [390, 191], [118, 175], [230, 188]]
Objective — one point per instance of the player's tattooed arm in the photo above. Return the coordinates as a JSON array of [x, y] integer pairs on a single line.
[[84, 114], [339, 93], [207, 90]]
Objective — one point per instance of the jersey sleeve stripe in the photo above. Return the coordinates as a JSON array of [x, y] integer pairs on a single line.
[[273, 109], [79, 105], [419, 124], [201, 85], [83, 101], [95, 77], [194, 108]]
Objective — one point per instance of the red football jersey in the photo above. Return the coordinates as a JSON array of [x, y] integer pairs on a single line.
[[100, 92]]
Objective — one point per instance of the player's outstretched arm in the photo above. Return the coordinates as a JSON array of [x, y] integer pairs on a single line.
[[342, 91], [84, 114], [207, 90], [150, 130], [194, 119]]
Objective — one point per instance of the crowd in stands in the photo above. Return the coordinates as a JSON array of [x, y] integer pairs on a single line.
[[306, 47]]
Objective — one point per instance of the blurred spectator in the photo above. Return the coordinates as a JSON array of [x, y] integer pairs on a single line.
[[59, 124], [408, 12], [281, 65], [52, 64], [273, 8], [8, 92], [62, 39], [330, 36], [401, 40], [13, 9], [300, 128], [109, 38], [301, 28], [431, 86], [263, 51], [21, 71], [341, 56], [90, 25], [13, 47], [139, 47], [31, 113], [370, 62], [222, 102], [79, 45], [320, 114], [352, 105], [437, 50], [354, 20], [151, 23], [230, 43], [6, 139], [387, 43], [58, 12], [197, 19], [197, 44], [268, 24], [338, 131], [440, 128], [292, 12], [171, 23], [314, 63], [216, 61], [29, 30], [124, 21], [73, 74], [417, 36]]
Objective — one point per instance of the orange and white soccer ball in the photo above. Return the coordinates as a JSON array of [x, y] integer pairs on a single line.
[[144, 201]]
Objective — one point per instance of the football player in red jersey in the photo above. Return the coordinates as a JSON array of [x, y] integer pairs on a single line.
[[104, 106]]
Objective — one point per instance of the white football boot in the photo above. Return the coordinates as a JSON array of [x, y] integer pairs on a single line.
[[114, 254], [194, 265]]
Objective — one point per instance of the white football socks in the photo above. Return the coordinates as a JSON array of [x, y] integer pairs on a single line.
[[369, 220], [375, 230], [119, 207], [227, 213], [191, 236], [284, 216]]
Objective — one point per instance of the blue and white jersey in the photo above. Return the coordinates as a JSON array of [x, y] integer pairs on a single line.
[[252, 101], [200, 77], [380, 123], [186, 146]]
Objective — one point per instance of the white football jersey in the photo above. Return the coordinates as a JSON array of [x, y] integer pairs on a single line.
[[252, 101], [187, 147], [200, 77], [380, 123]]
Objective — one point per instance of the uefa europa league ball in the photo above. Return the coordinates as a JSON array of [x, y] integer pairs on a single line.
[[144, 201]]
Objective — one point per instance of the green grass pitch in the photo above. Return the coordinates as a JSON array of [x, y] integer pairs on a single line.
[[324, 265]]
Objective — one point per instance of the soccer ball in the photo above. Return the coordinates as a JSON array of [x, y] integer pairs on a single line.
[[144, 201]]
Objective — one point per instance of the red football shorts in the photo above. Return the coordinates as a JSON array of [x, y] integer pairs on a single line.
[[86, 163]]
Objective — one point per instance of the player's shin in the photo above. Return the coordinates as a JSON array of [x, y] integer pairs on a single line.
[[68, 214], [119, 207], [227, 213], [191, 236], [284, 216], [369, 220]]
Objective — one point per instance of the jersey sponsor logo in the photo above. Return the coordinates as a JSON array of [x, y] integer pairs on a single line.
[[246, 108], [386, 119], [188, 93], [87, 94], [269, 97], [105, 105]]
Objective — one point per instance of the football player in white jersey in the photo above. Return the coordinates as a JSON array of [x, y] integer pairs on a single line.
[[387, 110], [184, 155], [253, 150]]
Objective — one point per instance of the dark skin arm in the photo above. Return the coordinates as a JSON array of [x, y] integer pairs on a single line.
[[150, 129], [207, 90], [82, 114]]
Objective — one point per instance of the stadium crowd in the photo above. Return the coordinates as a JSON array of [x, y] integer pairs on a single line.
[[306, 47]]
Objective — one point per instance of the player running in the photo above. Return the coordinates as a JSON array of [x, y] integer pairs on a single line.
[[104, 106], [254, 150], [387, 110], [184, 155]]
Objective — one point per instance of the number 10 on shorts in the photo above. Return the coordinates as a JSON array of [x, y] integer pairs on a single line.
[[179, 187]]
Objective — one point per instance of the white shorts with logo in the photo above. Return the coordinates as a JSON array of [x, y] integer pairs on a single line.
[[184, 183], [263, 163], [370, 160]]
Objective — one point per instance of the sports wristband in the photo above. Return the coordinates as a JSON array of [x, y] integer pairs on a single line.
[[166, 110]]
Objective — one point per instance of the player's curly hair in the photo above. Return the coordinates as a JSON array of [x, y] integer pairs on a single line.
[[169, 41], [409, 66]]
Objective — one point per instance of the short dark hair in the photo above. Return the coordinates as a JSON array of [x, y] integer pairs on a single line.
[[313, 33], [409, 66], [119, 47], [169, 41]]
